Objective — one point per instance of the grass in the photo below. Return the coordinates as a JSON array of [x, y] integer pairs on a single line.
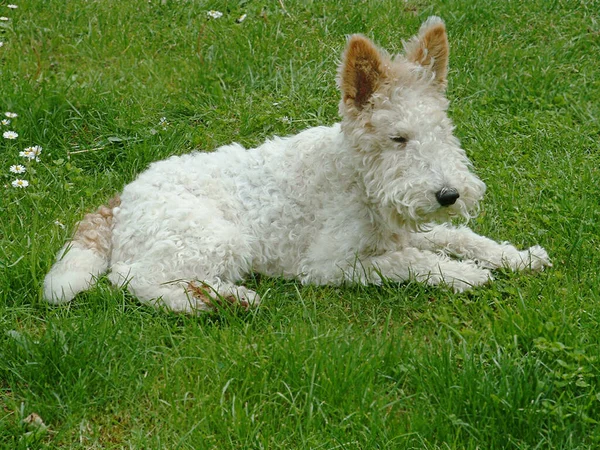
[[512, 365]]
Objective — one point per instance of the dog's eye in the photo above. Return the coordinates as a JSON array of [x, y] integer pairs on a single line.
[[400, 139]]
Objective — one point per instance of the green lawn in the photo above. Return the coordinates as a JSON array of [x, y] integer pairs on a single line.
[[513, 365]]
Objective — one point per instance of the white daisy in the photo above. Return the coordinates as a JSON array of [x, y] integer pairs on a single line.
[[31, 153], [4, 19], [18, 168], [11, 115], [35, 149], [163, 123], [214, 14], [10, 135], [5, 122], [20, 183], [12, 6], [27, 154]]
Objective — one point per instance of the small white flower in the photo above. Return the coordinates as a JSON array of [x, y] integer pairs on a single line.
[[12, 6], [4, 19], [241, 18], [285, 119], [20, 183], [59, 224], [214, 14], [18, 168], [1, 44], [10, 135], [11, 115], [31, 153], [5, 122]]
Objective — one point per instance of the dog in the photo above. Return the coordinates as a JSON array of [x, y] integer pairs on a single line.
[[367, 199]]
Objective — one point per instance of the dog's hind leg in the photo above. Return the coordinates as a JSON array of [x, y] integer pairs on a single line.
[[219, 294], [190, 297], [424, 266], [172, 296], [463, 243]]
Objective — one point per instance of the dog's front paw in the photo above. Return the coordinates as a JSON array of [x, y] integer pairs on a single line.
[[534, 258], [537, 258], [470, 279], [461, 275]]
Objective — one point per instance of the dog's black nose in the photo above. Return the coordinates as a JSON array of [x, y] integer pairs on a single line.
[[447, 196]]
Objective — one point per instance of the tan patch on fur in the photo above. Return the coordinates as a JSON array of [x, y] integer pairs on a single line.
[[431, 50], [201, 292], [362, 71], [94, 230]]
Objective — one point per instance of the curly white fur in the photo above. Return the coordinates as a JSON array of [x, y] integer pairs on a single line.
[[352, 202]]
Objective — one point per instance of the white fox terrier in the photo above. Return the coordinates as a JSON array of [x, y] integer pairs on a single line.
[[357, 201]]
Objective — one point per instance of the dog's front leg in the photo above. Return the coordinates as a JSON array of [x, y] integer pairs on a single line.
[[463, 243], [424, 266]]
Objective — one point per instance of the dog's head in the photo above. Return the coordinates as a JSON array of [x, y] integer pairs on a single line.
[[394, 116]]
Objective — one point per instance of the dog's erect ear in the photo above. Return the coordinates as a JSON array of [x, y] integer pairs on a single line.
[[430, 49], [361, 72]]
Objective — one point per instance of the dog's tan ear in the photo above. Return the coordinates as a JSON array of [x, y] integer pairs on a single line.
[[361, 72], [430, 49]]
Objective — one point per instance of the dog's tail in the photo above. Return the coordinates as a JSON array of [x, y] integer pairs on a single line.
[[84, 258]]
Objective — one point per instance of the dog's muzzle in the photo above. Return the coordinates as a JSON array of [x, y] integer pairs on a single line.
[[447, 196]]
